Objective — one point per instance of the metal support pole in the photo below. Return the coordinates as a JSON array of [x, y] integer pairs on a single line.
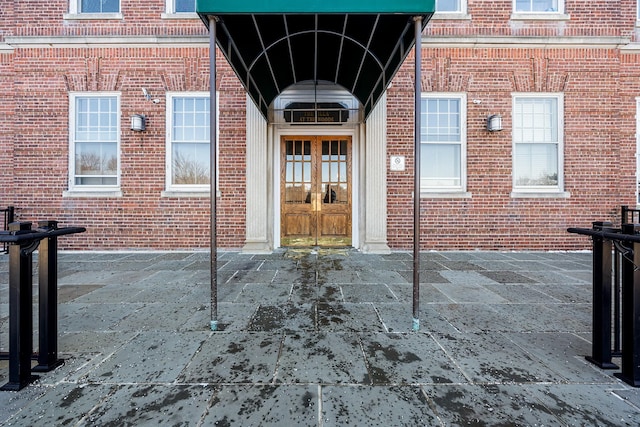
[[20, 311], [416, 189], [213, 167], [630, 372], [48, 300], [601, 313]]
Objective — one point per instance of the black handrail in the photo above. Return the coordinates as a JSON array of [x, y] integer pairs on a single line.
[[9, 215]]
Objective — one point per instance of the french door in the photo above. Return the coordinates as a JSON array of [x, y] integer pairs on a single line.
[[316, 191]]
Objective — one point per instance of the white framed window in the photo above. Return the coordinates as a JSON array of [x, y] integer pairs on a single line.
[[188, 141], [451, 9], [451, 6], [180, 9], [94, 146], [94, 9], [538, 129], [443, 143], [538, 6]]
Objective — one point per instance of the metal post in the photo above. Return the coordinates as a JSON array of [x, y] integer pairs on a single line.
[[416, 188], [214, 162], [601, 313], [48, 300], [20, 311], [630, 372]]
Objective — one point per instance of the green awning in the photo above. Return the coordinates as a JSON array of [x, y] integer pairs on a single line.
[[273, 44]]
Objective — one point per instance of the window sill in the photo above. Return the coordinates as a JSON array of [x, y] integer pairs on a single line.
[[92, 193], [181, 15], [540, 195], [93, 16], [186, 193], [451, 16], [540, 16], [445, 195]]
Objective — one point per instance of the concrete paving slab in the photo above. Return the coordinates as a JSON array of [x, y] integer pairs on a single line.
[[429, 294], [472, 317], [564, 353], [520, 294], [77, 317], [375, 406], [467, 290], [338, 350], [488, 404], [367, 293], [153, 405], [146, 358], [264, 405], [284, 318], [264, 293], [348, 317], [574, 405], [234, 357], [490, 357], [322, 358], [407, 358], [64, 404], [394, 319]]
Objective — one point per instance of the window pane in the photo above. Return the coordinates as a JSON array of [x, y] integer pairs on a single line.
[[536, 120], [536, 164], [96, 141], [536, 5], [185, 6], [441, 136], [190, 163], [96, 158], [448, 6], [440, 165], [99, 6], [441, 121]]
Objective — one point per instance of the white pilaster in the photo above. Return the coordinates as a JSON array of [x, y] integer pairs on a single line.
[[257, 239], [375, 181]]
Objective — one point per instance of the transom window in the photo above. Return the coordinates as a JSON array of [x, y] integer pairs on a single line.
[[99, 6], [537, 138], [539, 6], [188, 156], [443, 139], [95, 137]]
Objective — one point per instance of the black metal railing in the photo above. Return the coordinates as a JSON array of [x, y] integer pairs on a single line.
[[23, 240], [629, 215], [9, 216], [616, 297]]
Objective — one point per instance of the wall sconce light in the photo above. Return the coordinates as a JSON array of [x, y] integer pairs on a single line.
[[494, 123], [138, 122]]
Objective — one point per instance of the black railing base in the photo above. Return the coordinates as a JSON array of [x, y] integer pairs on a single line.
[[601, 364]]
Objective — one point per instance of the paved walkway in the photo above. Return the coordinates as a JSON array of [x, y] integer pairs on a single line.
[[322, 338]]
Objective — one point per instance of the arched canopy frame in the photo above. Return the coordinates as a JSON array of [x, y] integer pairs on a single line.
[[356, 44]]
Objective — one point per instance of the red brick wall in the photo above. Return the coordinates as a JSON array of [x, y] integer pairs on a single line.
[[600, 85], [599, 147], [141, 218]]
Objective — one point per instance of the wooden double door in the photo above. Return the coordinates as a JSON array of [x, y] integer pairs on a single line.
[[316, 191]]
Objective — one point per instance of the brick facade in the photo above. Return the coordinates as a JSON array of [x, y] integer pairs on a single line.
[[591, 58]]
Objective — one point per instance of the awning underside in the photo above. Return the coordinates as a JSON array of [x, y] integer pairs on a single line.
[[272, 51]]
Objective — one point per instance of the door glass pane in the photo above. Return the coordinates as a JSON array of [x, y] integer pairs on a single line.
[[297, 171]]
